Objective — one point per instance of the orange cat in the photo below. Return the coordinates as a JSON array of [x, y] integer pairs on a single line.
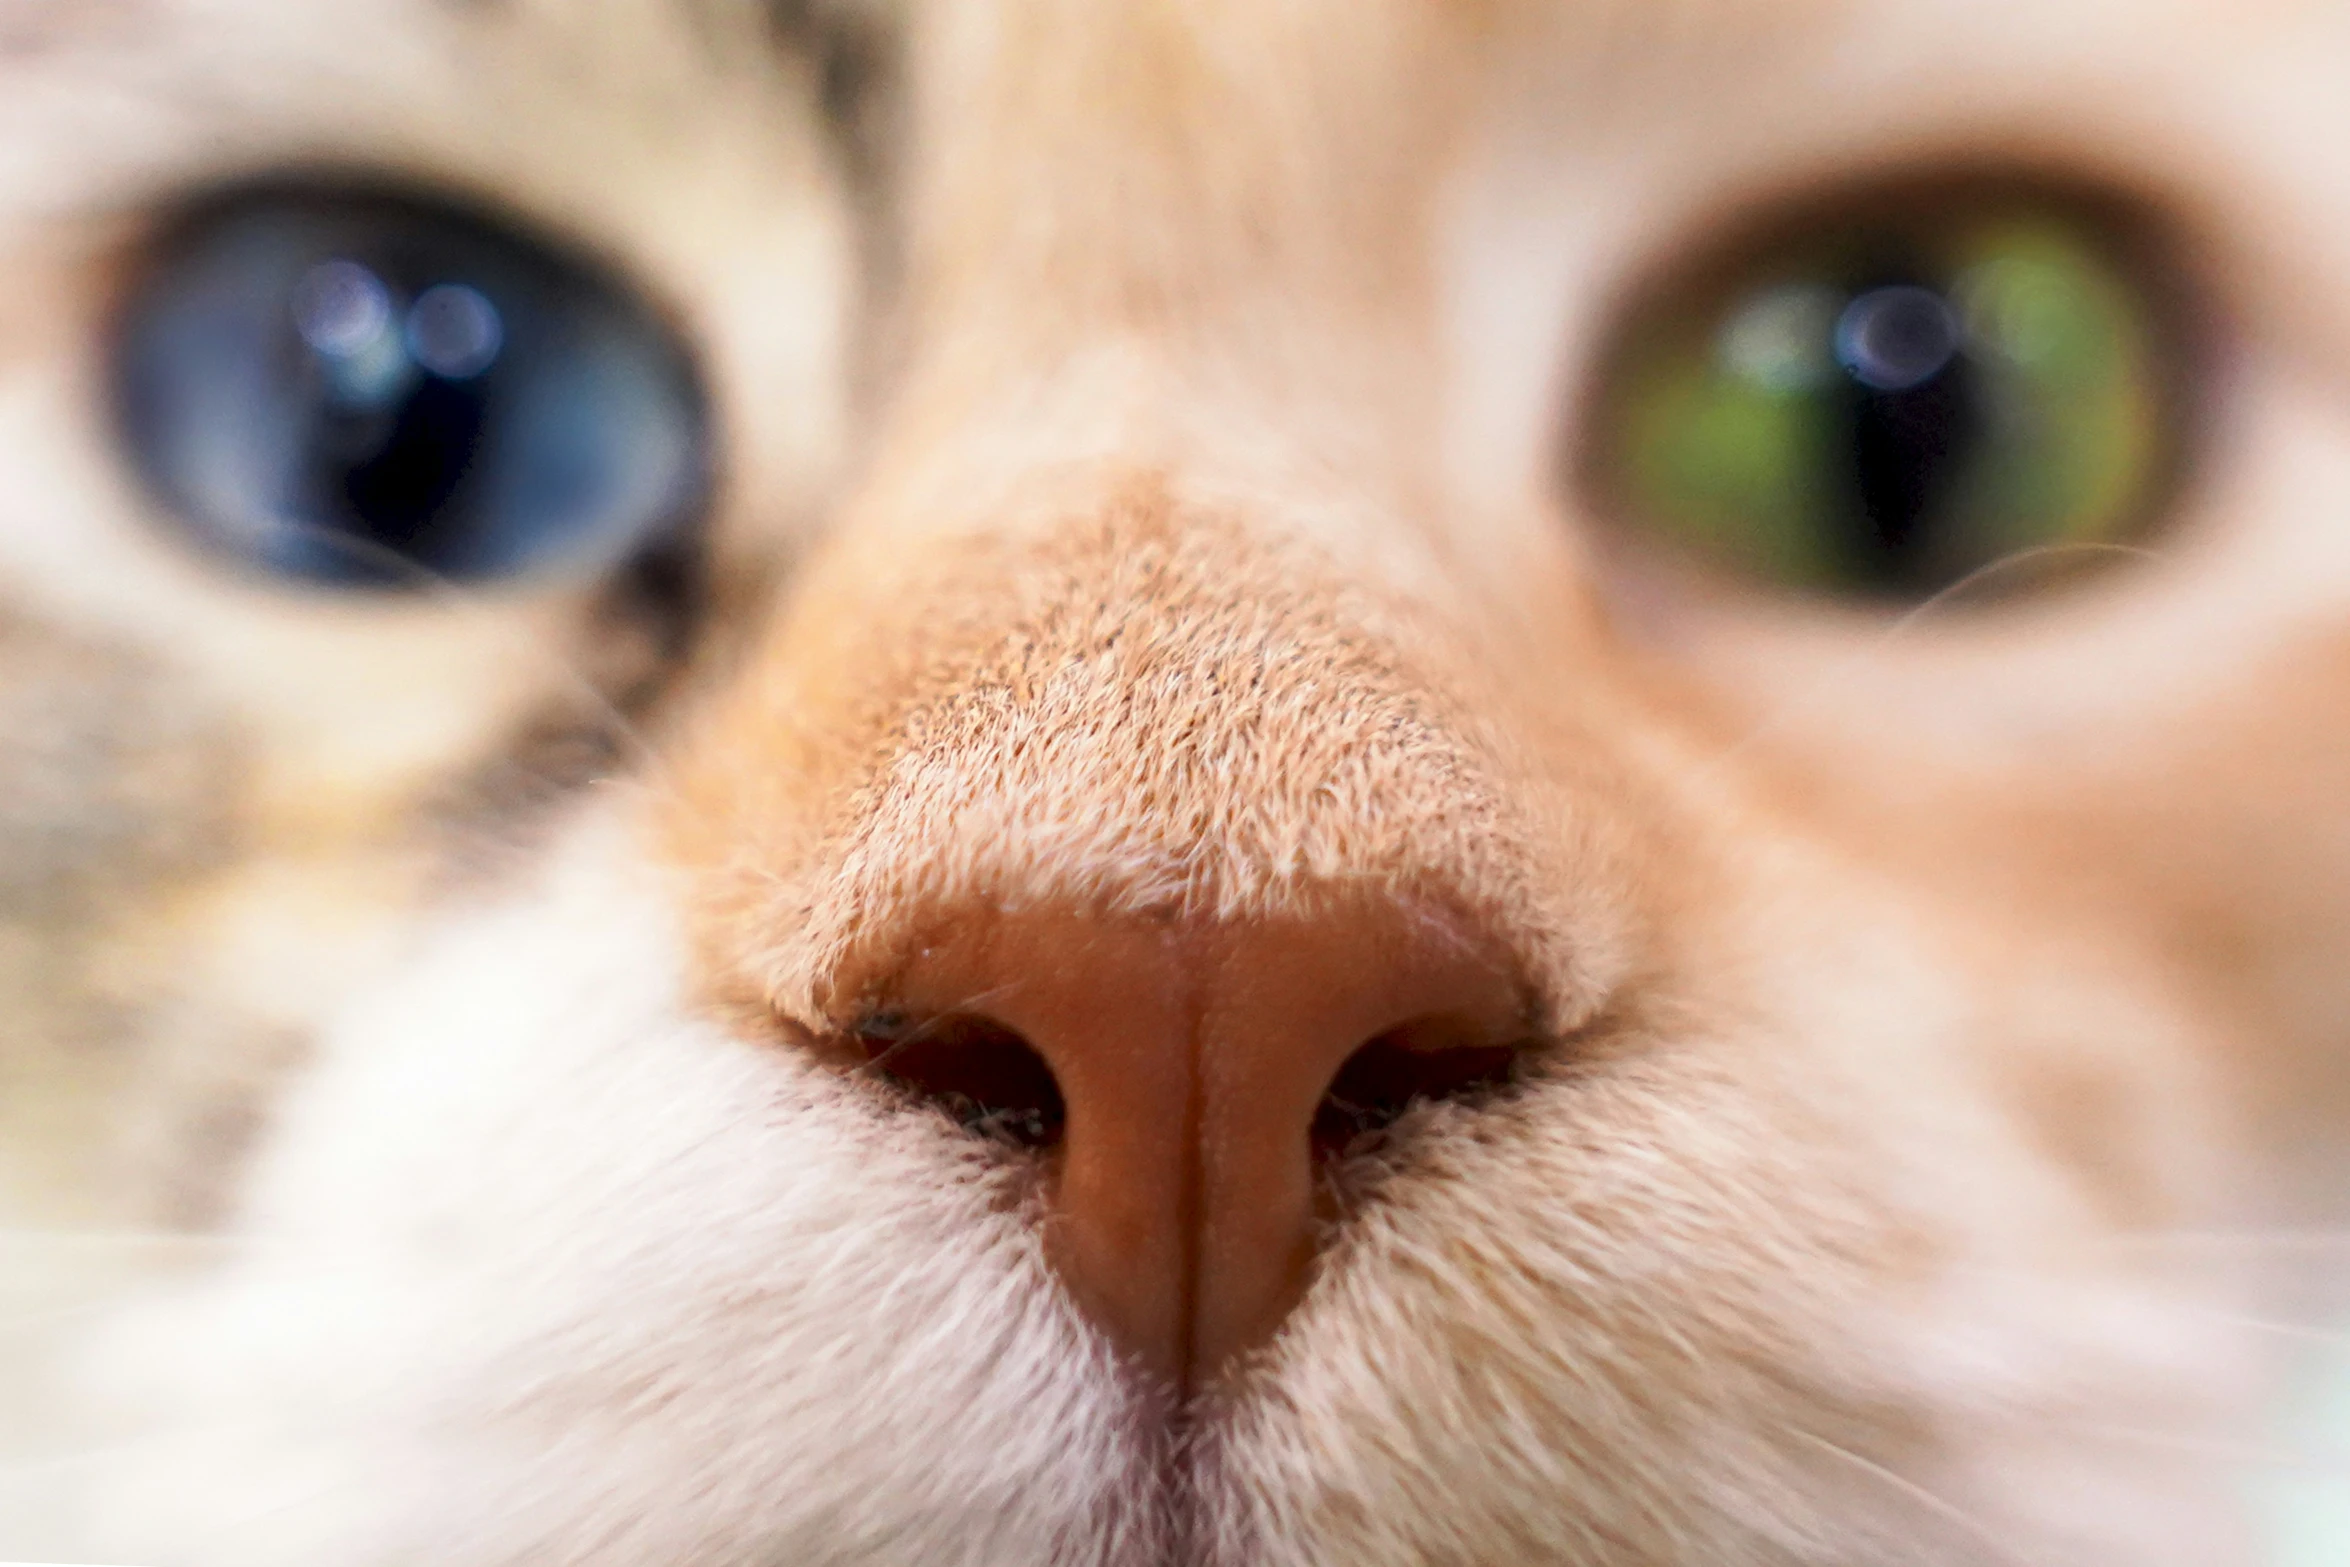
[[1011, 781]]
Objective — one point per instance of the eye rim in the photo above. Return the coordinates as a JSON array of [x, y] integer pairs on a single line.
[[2145, 232], [667, 561]]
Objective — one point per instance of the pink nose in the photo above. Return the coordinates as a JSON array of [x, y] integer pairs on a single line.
[[1188, 1076]]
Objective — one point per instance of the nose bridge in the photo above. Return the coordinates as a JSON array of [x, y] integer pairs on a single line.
[[1148, 705]]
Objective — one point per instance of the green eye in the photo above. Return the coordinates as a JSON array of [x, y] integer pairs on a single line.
[[1888, 400]]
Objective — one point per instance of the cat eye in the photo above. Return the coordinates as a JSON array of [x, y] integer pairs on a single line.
[[1893, 393], [364, 390]]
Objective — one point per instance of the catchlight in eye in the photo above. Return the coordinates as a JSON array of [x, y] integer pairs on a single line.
[[366, 390], [1892, 392]]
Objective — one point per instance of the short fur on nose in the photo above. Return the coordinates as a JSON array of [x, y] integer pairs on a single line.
[[1202, 1068]]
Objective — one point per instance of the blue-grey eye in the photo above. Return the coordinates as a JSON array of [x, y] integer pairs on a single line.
[[359, 390]]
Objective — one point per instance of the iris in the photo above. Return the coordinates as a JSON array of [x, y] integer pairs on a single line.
[[366, 390], [1891, 394]]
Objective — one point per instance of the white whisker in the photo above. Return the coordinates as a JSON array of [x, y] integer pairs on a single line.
[[245, 1521], [2242, 1454], [1914, 1492], [461, 602], [1943, 598], [2325, 1338], [1831, 685], [2283, 1240], [927, 1029]]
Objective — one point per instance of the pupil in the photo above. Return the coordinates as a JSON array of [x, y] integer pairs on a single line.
[[394, 494], [400, 412], [1911, 407]]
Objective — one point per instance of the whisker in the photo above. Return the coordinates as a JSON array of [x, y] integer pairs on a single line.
[[2324, 1338], [2234, 1240], [1942, 598], [1902, 1486], [1832, 682], [461, 602], [927, 1029], [2243, 1454], [245, 1521]]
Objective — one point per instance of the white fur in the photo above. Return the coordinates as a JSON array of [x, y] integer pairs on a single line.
[[543, 1264], [640, 1292]]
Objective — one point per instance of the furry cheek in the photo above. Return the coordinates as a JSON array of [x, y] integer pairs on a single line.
[[539, 1267]]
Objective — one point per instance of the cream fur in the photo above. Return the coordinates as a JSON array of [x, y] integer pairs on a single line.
[[1163, 515]]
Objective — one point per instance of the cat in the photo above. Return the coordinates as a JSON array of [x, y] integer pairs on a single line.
[[1011, 781]]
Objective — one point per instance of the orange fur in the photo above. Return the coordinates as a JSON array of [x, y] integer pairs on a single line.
[[1177, 528]]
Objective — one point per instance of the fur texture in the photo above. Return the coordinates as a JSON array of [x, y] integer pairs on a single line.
[[1143, 432]]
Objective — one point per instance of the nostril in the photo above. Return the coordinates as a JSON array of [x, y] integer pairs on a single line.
[[1430, 1058], [977, 1071]]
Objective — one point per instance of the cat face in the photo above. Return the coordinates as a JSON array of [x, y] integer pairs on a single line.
[[1018, 782]]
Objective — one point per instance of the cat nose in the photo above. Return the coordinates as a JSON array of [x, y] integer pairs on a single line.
[[1188, 1080]]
